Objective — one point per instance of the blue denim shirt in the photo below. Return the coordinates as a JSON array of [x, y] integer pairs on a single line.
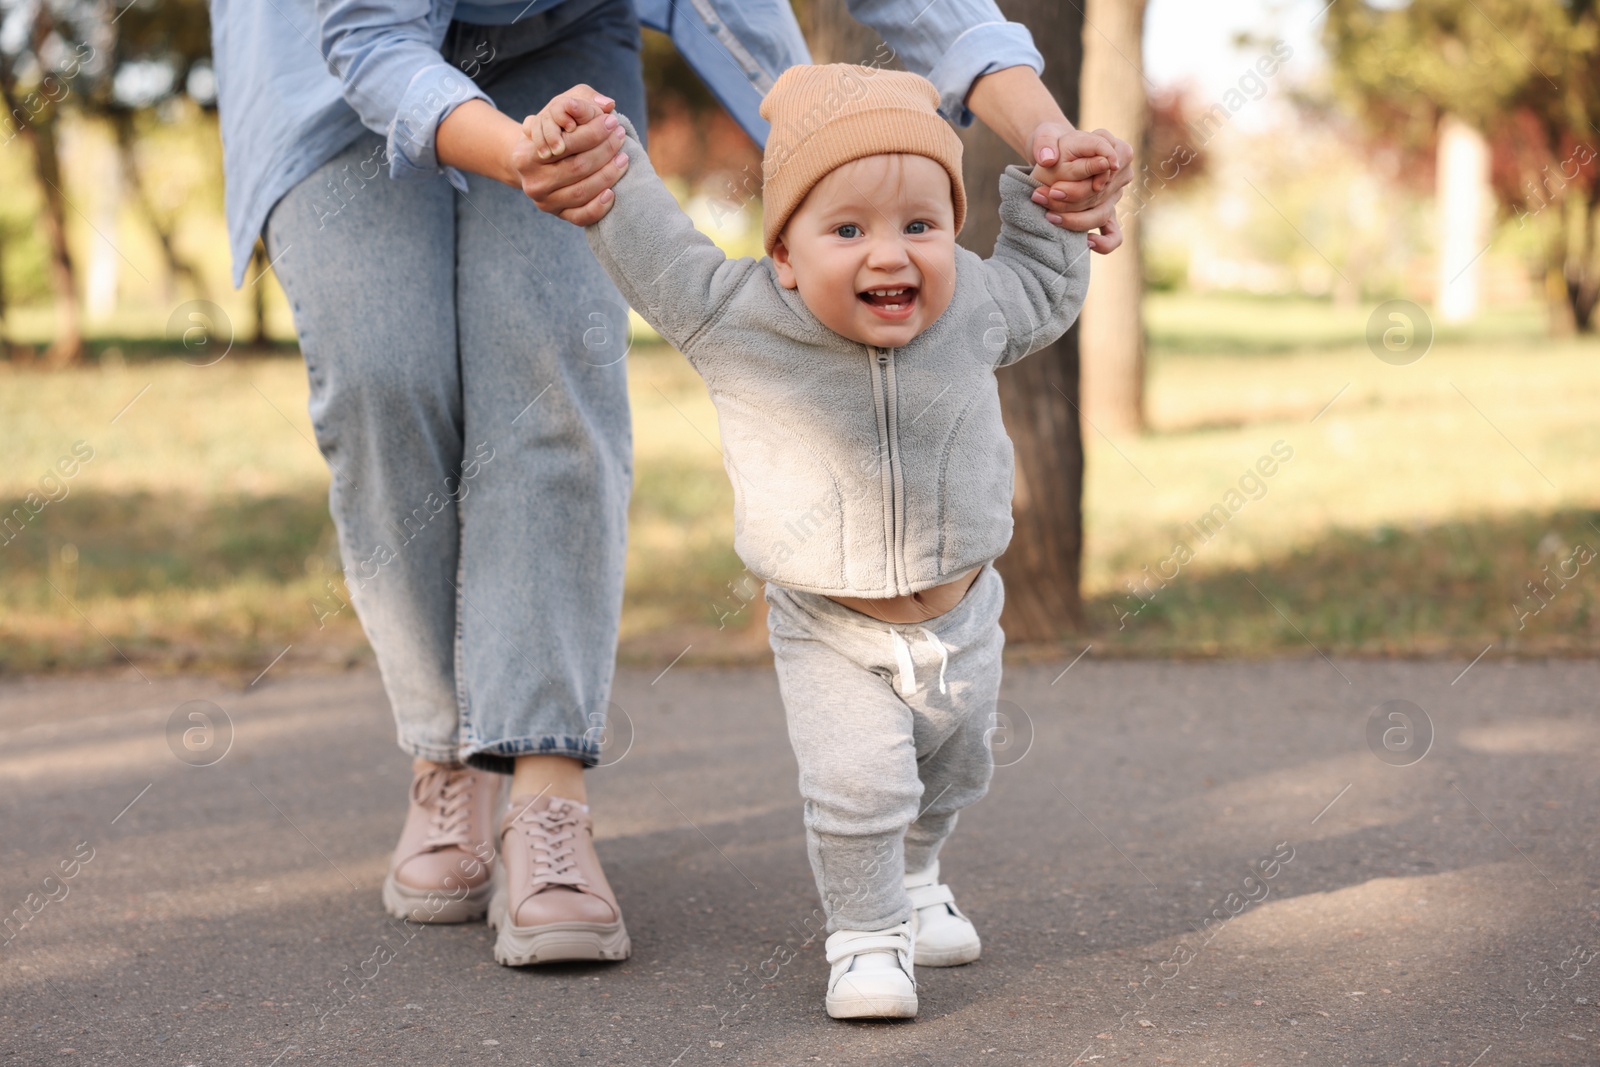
[[285, 109]]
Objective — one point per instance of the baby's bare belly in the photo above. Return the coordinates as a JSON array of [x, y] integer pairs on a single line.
[[913, 607]]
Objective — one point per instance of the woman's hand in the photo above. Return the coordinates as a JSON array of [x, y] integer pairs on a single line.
[[569, 157], [1084, 174], [569, 172]]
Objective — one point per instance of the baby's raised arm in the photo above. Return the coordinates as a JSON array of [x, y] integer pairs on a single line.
[[670, 272], [1038, 273]]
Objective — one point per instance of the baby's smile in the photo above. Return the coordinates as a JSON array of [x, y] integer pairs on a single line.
[[893, 304], [871, 249]]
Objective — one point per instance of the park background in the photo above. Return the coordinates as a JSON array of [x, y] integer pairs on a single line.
[[1362, 235]]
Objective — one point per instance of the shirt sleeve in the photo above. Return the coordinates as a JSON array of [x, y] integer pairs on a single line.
[[386, 55], [1038, 274], [952, 43], [670, 272]]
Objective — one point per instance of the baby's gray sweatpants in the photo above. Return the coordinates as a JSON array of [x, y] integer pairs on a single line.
[[890, 725]]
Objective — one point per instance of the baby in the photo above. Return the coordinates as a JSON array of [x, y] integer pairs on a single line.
[[853, 377]]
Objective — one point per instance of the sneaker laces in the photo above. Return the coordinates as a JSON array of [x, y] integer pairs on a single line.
[[446, 794], [552, 844]]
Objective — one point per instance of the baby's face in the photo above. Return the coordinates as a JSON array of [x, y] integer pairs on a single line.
[[872, 249]]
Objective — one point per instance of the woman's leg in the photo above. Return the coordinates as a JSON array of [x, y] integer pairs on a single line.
[[369, 267], [543, 540], [560, 775], [545, 390]]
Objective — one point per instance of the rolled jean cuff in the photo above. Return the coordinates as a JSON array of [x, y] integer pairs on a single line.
[[436, 753], [501, 756]]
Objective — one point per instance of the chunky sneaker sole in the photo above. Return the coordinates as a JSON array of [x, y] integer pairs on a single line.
[[519, 946], [435, 905], [849, 1001]]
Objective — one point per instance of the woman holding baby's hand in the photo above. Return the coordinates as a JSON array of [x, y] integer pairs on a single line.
[[1086, 170], [475, 421]]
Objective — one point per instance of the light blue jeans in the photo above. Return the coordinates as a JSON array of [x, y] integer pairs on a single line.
[[469, 394]]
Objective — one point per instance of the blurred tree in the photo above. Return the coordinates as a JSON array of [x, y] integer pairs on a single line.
[[1039, 396], [122, 66], [1464, 212], [1525, 74], [157, 55], [691, 137], [6, 348], [1170, 141], [1112, 334], [1175, 156], [124, 126], [36, 74]]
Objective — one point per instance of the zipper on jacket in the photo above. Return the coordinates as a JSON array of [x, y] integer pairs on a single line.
[[894, 484]]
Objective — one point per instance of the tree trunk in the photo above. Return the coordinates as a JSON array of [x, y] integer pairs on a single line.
[[1113, 321], [40, 133], [177, 265], [66, 348], [258, 293], [1464, 214], [14, 352], [1039, 396], [1583, 262]]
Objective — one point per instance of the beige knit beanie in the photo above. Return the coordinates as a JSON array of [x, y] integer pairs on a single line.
[[826, 116]]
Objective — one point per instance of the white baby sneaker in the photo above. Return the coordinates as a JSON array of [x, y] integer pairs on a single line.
[[871, 976], [945, 937]]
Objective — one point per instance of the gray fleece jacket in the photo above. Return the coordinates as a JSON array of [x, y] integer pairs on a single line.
[[856, 471]]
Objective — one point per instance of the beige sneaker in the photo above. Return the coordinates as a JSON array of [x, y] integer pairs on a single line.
[[441, 868], [551, 900]]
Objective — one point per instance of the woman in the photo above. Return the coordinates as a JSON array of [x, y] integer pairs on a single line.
[[481, 454]]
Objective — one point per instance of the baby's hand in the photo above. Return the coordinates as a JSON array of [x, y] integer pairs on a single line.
[[571, 156], [548, 129]]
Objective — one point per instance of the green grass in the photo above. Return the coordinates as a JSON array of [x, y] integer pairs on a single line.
[[1238, 325], [1415, 509], [1450, 588]]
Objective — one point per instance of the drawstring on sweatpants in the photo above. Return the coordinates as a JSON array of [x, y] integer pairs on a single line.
[[907, 680]]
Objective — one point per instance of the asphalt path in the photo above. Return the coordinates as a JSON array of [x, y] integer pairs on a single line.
[[1189, 863]]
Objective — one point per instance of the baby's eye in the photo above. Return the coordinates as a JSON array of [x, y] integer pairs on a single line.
[[917, 227], [848, 230]]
